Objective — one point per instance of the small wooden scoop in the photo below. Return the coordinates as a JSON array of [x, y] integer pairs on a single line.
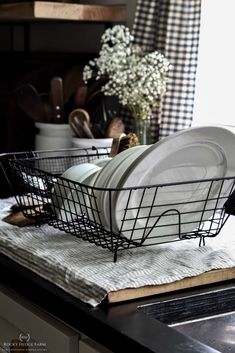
[[79, 120]]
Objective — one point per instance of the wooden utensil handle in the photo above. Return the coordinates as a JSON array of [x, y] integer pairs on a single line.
[[57, 99]]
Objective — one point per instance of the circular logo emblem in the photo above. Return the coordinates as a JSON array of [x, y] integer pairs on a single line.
[[24, 337]]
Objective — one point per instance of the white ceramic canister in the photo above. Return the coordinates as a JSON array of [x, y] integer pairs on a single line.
[[87, 143], [53, 136]]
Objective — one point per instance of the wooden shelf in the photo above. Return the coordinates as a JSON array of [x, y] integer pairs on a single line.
[[43, 10]]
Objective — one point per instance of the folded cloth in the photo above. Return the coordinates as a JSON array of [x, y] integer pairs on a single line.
[[88, 272]]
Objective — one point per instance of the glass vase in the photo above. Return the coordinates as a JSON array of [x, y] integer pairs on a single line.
[[142, 130]]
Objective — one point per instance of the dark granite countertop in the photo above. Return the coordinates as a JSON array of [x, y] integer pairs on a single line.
[[119, 327]]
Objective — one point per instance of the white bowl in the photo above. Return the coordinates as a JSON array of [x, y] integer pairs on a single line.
[[76, 172], [67, 196]]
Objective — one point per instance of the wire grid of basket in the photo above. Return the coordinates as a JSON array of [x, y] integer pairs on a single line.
[[147, 215]]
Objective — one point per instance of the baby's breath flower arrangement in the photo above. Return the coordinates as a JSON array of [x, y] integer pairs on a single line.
[[135, 77]]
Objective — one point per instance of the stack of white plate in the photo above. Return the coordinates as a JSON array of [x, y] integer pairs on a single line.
[[198, 153]]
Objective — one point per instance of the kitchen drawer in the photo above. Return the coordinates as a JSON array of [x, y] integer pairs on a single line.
[[87, 345], [19, 316]]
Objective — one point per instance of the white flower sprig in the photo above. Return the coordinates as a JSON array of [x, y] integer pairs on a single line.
[[136, 78]]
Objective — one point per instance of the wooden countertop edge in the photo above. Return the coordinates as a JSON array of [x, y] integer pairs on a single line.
[[46, 10], [209, 277]]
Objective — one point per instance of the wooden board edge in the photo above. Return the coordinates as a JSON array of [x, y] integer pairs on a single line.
[[209, 277], [48, 10], [79, 12]]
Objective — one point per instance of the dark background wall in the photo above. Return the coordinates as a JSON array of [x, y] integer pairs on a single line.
[[48, 50]]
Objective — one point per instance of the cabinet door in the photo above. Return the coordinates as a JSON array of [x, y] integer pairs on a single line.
[[25, 322], [7, 333]]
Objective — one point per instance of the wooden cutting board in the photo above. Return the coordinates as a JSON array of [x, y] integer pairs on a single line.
[[209, 277]]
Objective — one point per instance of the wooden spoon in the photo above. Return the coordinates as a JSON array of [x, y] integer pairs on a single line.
[[30, 102]]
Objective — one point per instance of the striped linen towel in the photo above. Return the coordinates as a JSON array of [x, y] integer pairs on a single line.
[[88, 272]]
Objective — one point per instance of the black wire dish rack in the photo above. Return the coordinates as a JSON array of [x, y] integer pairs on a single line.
[[130, 217]]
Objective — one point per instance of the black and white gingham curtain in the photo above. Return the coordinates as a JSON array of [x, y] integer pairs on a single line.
[[171, 27]]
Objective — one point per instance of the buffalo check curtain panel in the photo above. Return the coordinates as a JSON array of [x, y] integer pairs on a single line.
[[171, 27]]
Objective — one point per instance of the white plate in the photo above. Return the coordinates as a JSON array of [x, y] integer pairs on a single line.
[[191, 154], [111, 181], [117, 168]]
